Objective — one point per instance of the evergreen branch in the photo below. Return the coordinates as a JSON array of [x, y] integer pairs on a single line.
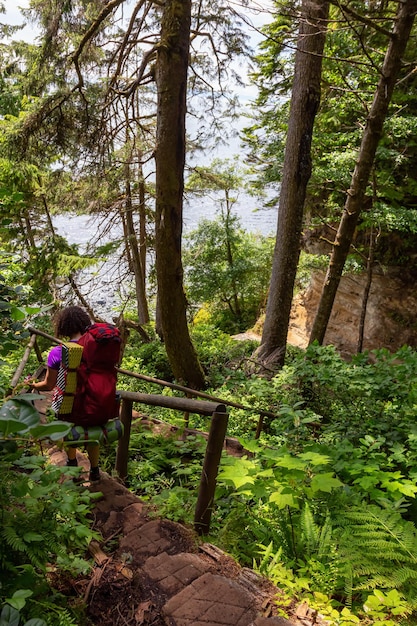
[[364, 20]]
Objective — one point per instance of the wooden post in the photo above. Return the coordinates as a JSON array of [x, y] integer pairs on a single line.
[[38, 352], [122, 454], [207, 488], [22, 364], [260, 426]]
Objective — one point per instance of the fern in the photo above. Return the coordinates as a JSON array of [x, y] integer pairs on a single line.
[[310, 530], [326, 539], [61, 618], [13, 540], [379, 550]]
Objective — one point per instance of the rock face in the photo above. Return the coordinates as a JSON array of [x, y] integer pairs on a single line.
[[391, 314]]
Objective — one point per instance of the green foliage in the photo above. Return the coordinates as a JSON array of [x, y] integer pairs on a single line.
[[324, 502], [16, 312], [220, 355], [226, 268], [19, 418], [353, 55], [45, 516], [10, 616], [378, 548], [221, 175], [14, 304], [379, 609], [148, 358], [167, 470], [229, 270], [44, 256], [51, 526]]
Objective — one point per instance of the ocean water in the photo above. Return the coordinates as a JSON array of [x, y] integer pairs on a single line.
[[108, 284]]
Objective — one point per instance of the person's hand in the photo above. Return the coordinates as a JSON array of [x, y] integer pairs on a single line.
[[29, 380]]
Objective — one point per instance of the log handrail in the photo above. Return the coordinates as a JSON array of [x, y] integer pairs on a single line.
[[174, 386], [178, 404], [21, 366], [215, 443], [194, 392], [41, 333]]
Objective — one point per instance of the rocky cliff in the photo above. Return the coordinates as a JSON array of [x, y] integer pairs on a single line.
[[391, 314]]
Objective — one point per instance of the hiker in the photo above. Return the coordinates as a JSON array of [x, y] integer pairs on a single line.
[[70, 323]]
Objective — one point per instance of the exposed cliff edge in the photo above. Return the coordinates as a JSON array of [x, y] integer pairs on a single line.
[[391, 313]]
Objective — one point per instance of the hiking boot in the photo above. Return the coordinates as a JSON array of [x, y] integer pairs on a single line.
[[72, 463], [94, 474]]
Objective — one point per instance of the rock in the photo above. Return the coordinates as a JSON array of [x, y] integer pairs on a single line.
[[390, 320]]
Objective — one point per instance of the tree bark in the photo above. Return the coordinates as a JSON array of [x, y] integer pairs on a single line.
[[142, 231], [135, 256], [370, 139], [171, 80], [366, 291], [305, 101]]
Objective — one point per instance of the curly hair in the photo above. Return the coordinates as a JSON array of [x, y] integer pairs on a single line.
[[70, 321]]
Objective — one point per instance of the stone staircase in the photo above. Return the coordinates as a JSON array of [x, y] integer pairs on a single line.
[[154, 572]]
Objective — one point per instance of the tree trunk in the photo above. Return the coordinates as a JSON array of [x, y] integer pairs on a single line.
[[136, 259], [235, 309], [47, 213], [305, 100], [366, 291], [122, 214], [364, 163], [28, 233], [142, 231], [171, 81]]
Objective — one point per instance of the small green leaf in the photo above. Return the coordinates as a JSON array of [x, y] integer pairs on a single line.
[[283, 500], [17, 313], [238, 473], [21, 410], [290, 462], [325, 482], [31, 536], [53, 430], [18, 599], [9, 616], [315, 458], [10, 426]]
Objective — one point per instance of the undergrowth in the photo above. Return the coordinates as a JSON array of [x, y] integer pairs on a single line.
[[323, 503], [45, 522]]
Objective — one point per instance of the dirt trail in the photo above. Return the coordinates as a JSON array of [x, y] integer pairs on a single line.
[[154, 572]]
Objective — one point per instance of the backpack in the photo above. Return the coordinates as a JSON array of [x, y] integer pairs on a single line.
[[85, 393]]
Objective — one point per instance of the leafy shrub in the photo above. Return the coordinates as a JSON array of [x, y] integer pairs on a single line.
[[167, 470], [45, 522], [220, 355], [228, 270], [342, 444], [149, 358]]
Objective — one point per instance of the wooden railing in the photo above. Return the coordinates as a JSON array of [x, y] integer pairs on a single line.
[[216, 436], [215, 443]]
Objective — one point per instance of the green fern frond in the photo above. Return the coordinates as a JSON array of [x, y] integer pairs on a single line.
[[326, 538], [13, 540], [383, 529], [310, 530], [405, 574], [316, 540], [61, 618], [379, 550]]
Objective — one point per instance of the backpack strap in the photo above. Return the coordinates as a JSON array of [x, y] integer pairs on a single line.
[[63, 397]]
